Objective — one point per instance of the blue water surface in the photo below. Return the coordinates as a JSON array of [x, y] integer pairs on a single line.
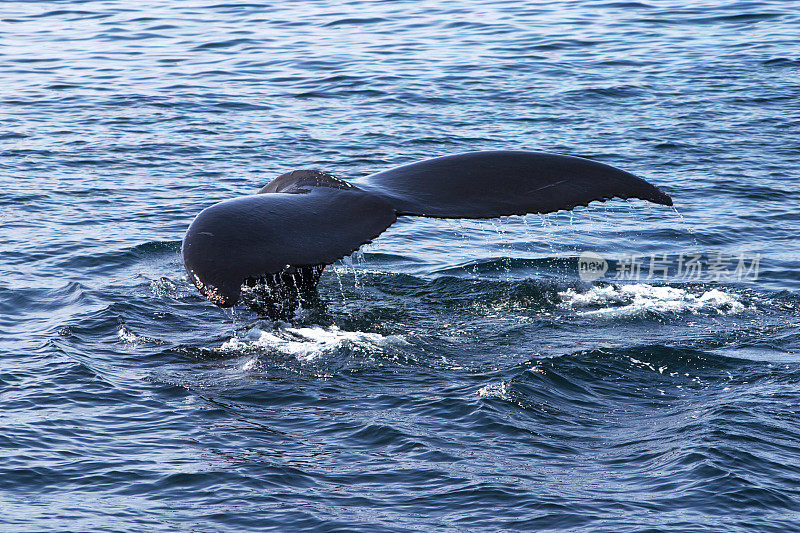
[[454, 375]]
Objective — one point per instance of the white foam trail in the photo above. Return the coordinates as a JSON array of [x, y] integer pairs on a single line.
[[309, 343], [616, 301]]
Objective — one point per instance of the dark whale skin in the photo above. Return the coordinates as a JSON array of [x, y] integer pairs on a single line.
[[306, 219], [492, 184], [252, 236]]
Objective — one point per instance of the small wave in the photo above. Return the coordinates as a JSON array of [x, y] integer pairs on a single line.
[[356, 21], [615, 301], [739, 17], [782, 62], [222, 44], [62, 12], [625, 5], [309, 343]]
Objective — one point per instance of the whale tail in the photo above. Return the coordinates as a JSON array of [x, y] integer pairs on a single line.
[[493, 184], [303, 220]]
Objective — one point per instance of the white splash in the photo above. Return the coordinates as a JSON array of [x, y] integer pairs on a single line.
[[133, 339], [126, 335], [309, 343], [499, 390], [615, 301]]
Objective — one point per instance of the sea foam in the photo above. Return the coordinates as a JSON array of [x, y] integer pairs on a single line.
[[309, 343], [615, 301]]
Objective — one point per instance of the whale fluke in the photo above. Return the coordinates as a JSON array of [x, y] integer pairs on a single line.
[[252, 237], [306, 219], [493, 184]]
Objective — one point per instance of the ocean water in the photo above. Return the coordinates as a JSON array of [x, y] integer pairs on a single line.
[[453, 375]]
